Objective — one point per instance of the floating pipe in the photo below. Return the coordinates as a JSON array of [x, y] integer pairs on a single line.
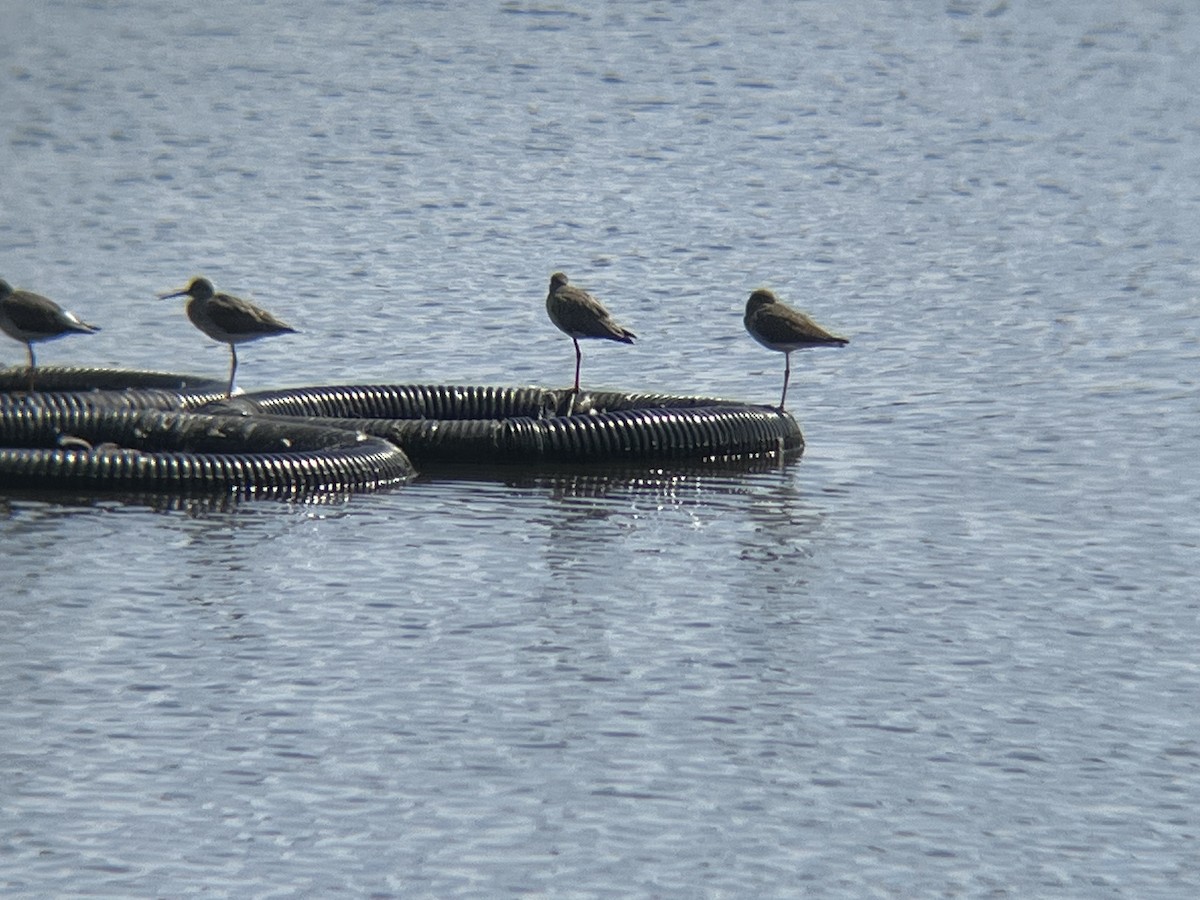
[[189, 453], [464, 424], [136, 389]]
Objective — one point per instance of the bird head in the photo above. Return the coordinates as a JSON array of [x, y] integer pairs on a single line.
[[197, 289], [760, 298]]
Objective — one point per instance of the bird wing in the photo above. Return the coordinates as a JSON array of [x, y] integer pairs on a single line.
[[237, 316], [36, 314], [580, 314], [779, 324]]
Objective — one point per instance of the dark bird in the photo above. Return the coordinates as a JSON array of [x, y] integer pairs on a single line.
[[31, 318], [779, 327], [230, 320], [580, 315]]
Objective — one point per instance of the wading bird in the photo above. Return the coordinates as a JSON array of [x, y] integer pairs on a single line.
[[779, 327], [230, 320], [31, 318], [580, 315]]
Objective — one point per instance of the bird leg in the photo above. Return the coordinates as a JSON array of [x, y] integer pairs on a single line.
[[578, 361], [32, 364], [787, 374], [232, 368]]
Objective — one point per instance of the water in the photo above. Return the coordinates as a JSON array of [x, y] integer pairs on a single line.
[[951, 652]]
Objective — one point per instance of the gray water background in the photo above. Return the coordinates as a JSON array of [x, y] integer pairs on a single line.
[[952, 652]]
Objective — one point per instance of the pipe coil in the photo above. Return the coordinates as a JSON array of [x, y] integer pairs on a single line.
[[161, 432], [136, 389], [506, 425], [122, 449]]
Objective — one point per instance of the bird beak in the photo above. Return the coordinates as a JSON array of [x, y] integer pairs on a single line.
[[170, 294]]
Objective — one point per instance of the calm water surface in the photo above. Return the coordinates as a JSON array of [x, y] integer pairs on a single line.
[[952, 652]]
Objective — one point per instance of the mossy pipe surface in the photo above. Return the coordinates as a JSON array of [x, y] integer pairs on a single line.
[[187, 453], [527, 425]]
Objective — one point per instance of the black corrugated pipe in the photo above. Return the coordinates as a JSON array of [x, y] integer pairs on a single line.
[[135, 389], [434, 424], [122, 449], [464, 424]]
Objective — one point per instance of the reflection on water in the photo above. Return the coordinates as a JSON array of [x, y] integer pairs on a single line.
[[599, 479], [599, 525], [39, 503]]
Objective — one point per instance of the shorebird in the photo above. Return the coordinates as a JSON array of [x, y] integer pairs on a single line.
[[779, 327], [230, 320], [30, 318], [580, 315]]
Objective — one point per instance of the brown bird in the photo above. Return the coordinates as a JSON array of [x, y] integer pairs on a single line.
[[779, 327], [230, 320], [580, 315], [31, 318]]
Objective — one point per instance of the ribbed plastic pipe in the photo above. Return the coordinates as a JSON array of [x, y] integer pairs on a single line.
[[135, 389], [121, 449], [523, 425]]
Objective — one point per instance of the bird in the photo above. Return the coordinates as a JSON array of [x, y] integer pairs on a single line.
[[230, 320], [580, 315], [30, 318], [778, 327]]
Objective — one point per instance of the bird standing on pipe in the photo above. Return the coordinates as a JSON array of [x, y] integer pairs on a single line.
[[580, 315], [228, 319], [30, 318]]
